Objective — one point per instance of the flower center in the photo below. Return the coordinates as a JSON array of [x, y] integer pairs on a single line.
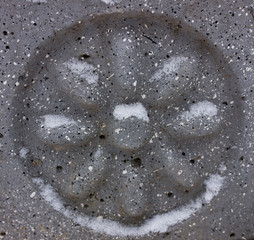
[[131, 128]]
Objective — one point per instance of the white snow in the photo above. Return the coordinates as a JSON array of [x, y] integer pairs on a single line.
[[213, 186], [125, 111], [111, 2], [159, 223], [54, 121], [98, 153], [32, 195], [200, 109], [169, 66], [117, 131], [83, 70], [222, 168], [23, 152]]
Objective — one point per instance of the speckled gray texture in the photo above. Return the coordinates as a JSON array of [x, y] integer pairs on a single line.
[[140, 167]]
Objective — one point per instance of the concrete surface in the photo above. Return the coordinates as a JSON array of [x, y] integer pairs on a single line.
[[126, 120]]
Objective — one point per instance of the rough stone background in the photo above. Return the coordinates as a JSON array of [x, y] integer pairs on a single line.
[[26, 24]]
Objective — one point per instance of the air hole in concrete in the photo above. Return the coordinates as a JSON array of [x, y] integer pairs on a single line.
[[83, 57], [59, 168], [136, 162], [102, 137], [170, 194]]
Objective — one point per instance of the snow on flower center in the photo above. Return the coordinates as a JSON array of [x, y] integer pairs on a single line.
[[124, 111]]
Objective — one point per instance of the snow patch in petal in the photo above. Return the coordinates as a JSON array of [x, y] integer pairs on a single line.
[[82, 69], [200, 109], [55, 121], [170, 66]]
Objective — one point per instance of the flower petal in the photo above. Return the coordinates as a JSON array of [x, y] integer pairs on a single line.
[[175, 74], [79, 79], [89, 175], [202, 119], [60, 130], [125, 59]]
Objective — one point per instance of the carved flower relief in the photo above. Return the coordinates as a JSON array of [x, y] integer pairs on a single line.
[[124, 132]]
